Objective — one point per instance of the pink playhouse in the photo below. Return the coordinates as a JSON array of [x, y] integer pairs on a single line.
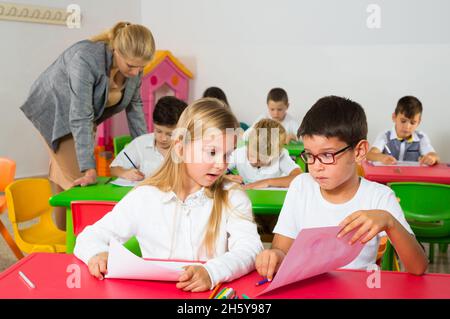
[[164, 75]]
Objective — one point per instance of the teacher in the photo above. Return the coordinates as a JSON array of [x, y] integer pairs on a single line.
[[89, 82]]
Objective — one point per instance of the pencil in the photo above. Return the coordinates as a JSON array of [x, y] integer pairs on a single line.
[[27, 281], [262, 282], [130, 160], [387, 149], [216, 288]]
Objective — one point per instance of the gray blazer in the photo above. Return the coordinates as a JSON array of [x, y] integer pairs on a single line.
[[69, 97]]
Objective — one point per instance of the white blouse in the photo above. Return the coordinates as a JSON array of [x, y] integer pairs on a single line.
[[167, 228]]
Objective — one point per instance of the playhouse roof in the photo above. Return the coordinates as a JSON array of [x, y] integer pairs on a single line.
[[160, 55]]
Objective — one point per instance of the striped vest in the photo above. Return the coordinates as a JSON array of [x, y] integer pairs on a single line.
[[410, 151]]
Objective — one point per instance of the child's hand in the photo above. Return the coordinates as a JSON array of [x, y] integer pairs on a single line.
[[388, 160], [268, 261], [259, 184], [133, 175], [369, 222], [235, 178], [428, 159], [97, 265], [195, 279], [90, 177], [290, 138]]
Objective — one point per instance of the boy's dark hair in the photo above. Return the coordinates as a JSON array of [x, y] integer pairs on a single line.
[[168, 110], [217, 93], [334, 116], [277, 95], [409, 106]]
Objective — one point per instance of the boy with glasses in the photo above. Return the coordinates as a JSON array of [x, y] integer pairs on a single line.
[[332, 194]]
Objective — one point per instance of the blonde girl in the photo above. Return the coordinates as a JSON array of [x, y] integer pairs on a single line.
[[187, 209]]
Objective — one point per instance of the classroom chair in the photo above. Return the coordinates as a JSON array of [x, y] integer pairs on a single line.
[[120, 142], [85, 213], [7, 172], [244, 126], [427, 210], [387, 258], [28, 200]]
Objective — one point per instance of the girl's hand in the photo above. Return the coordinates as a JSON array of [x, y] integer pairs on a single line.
[[195, 279], [369, 224], [90, 177], [97, 265], [268, 261], [133, 175]]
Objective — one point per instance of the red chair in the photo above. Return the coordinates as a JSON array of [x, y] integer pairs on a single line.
[[7, 172], [85, 213]]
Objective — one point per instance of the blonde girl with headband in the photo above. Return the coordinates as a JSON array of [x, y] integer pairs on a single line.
[[188, 209], [89, 82]]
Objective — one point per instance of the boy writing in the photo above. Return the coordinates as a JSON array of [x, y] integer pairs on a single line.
[[404, 142]]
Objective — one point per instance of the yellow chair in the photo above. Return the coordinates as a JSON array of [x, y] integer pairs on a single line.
[[7, 172], [27, 200]]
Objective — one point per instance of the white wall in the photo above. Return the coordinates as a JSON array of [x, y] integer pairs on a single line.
[[26, 49], [311, 48], [314, 48]]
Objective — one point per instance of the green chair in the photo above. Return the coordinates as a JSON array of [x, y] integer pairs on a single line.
[[120, 142], [243, 126], [427, 210], [389, 260]]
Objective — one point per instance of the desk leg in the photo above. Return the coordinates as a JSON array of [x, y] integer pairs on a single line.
[[70, 237]]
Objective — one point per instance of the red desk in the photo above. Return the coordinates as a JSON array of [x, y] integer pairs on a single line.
[[49, 273], [439, 173]]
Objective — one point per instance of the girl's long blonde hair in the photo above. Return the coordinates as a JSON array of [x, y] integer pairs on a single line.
[[133, 41], [212, 114]]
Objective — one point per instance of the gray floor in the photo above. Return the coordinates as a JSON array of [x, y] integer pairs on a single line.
[[441, 262]]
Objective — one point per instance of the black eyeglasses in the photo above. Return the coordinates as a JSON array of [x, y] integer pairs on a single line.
[[324, 158]]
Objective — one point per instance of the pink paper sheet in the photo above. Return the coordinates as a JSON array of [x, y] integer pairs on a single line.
[[314, 252]]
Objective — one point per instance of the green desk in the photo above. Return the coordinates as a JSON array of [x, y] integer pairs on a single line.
[[264, 202]]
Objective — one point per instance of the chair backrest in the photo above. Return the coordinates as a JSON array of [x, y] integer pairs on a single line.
[[243, 126], [120, 142], [85, 213], [426, 207], [28, 199], [7, 172]]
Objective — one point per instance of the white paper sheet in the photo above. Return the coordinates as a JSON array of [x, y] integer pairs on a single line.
[[271, 189], [399, 163], [123, 182], [123, 264]]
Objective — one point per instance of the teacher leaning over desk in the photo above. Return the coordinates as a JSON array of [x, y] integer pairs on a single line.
[[89, 82]]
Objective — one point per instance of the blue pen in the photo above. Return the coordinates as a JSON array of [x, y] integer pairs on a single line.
[[130, 160], [259, 283]]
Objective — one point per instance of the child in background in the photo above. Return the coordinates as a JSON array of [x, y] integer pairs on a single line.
[[334, 133], [404, 142], [278, 104], [217, 93], [264, 162], [186, 210], [147, 151]]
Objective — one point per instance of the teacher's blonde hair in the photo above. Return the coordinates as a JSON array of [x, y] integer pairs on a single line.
[[133, 41]]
